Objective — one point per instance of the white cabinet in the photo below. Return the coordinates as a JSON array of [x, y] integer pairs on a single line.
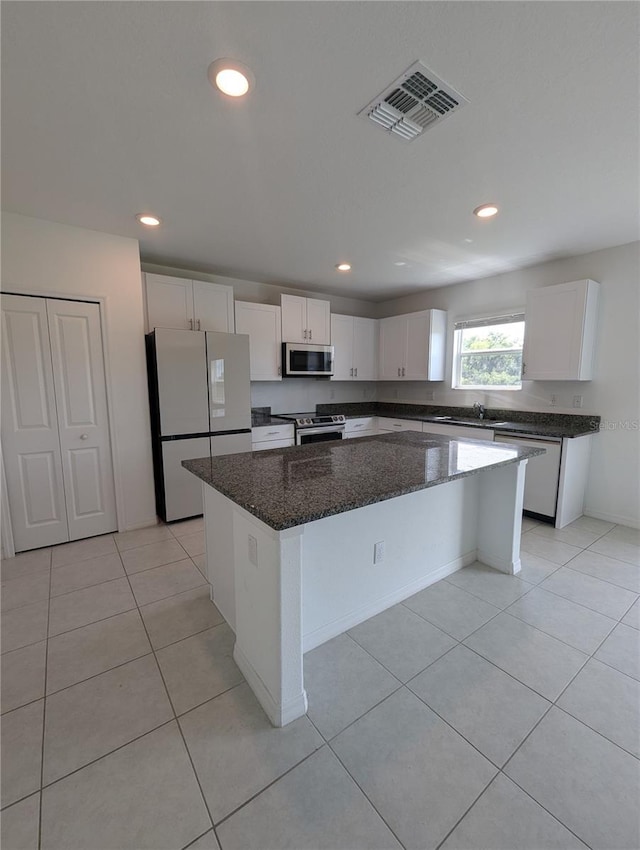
[[386, 424], [460, 431], [305, 319], [412, 347], [272, 437], [367, 426], [262, 323], [355, 341], [560, 328], [173, 302]]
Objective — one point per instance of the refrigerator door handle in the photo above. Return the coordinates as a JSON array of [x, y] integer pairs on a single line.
[[190, 324]]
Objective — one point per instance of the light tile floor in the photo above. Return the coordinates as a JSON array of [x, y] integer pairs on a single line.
[[487, 712]]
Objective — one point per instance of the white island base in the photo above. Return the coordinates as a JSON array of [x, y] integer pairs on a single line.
[[286, 592]]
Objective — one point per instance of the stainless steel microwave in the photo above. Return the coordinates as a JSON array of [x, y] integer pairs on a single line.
[[301, 358]]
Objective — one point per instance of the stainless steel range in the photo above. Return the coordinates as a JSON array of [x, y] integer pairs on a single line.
[[311, 428]]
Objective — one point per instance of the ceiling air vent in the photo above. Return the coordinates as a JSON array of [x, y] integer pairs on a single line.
[[413, 103]]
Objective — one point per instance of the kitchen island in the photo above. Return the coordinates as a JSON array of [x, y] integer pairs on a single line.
[[306, 542]]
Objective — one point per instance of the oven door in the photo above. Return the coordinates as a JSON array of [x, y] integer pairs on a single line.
[[301, 359], [305, 436]]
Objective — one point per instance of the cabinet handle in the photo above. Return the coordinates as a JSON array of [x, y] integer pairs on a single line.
[[398, 371], [310, 334], [279, 370], [305, 334], [84, 436], [403, 371], [524, 368], [356, 371], [198, 324], [351, 373], [190, 324], [271, 433]]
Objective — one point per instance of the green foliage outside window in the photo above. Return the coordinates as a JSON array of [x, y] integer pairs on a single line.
[[491, 356]]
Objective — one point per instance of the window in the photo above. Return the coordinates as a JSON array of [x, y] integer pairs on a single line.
[[488, 353]]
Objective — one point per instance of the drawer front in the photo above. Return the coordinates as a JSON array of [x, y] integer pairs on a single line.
[[459, 431], [271, 432], [271, 444], [353, 426], [385, 424]]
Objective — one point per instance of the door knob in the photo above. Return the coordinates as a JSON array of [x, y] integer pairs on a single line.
[[84, 436]]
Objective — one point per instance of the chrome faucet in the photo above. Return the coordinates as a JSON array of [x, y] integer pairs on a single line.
[[479, 409]]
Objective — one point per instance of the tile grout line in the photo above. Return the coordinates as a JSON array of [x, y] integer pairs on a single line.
[[44, 705], [175, 715]]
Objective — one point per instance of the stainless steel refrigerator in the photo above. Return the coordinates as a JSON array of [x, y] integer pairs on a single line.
[[200, 402]]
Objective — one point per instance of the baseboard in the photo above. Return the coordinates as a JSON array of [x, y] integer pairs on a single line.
[[338, 627], [500, 564], [279, 715], [632, 522]]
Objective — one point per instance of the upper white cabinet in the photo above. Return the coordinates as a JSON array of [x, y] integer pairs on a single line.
[[560, 329], [173, 302], [355, 341], [305, 320], [262, 323], [412, 347]]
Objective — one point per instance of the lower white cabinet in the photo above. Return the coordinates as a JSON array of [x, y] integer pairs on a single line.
[[272, 437], [457, 431], [385, 425], [262, 324], [365, 427]]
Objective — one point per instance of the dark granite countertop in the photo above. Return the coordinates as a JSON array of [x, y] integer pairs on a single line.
[[292, 486], [504, 420], [261, 417]]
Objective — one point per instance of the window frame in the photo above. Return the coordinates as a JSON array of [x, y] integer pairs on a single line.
[[516, 317]]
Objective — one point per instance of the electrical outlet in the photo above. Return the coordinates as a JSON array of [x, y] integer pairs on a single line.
[[553, 400], [378, 552], [577, 401], [253, 550]]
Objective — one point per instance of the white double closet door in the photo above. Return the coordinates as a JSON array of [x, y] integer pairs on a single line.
[[55, 433]]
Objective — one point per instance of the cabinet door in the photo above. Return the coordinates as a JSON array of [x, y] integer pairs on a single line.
[[81, 400], [294, 318], [555, 332], [417, 350], [393, 337], [342, 336], [169, 302], [319, 321], [212, 307], [262, 324], [30, 441], [365, 349]]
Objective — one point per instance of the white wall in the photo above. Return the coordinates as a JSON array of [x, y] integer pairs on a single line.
[[613, 489], [43, 258]]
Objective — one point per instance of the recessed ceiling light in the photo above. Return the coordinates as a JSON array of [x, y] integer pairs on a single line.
[[486, 210], [400, 263], [344, 267], [230, 77], [148, 220]]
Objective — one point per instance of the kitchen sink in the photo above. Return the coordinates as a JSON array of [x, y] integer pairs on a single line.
[[453, 421]]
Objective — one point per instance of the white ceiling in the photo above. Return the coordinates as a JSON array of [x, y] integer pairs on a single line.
[[107, 112]]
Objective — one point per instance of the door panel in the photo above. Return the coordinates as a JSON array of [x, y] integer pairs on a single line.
[[213, 307], [342, 336], [365, 349], [31, 445], [182, 382], [229, 385], [318, 321], [182, 490], [262, 324], [169, 302], [78, 374], [294, 318], [417, 358], [393, 340]]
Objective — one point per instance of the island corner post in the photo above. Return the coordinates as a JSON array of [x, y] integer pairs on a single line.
[[284, 592]]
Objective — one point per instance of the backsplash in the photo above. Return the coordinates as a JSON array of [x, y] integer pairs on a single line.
[[299, 395]]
